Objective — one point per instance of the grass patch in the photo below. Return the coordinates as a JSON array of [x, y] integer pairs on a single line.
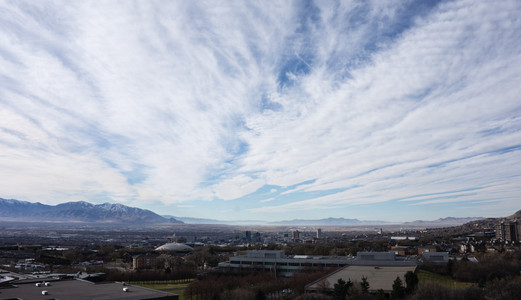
[[171, 286], [449, 282]]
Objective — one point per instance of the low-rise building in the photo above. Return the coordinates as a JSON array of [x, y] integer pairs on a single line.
[[400, 250], [426, 249], [437, 257], [275, 261], [80, 290], [144, 261]]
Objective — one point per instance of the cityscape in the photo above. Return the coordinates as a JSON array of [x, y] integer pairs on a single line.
[[174, 260], [264, 150]]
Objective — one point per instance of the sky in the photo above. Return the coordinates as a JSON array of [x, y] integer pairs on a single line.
[[264, 110]]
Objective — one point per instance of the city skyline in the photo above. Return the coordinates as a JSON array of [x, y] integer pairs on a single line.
[[391, 111]]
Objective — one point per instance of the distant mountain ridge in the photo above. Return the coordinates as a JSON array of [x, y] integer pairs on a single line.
[[189, 220], [323, 222], [443, 222], [77, 212], [328, 221]]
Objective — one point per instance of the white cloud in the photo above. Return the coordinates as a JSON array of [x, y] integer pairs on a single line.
[[268, 200], [183, 101], [237, 187]]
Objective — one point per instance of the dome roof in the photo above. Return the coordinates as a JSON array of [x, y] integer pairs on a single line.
[[175, 247]]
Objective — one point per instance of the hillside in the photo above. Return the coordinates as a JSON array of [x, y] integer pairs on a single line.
[[517, 215]]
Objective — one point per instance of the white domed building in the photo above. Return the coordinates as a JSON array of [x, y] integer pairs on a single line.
[[174, 248]]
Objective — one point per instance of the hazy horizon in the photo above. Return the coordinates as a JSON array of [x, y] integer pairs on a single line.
[[391, 111], [77, 216]]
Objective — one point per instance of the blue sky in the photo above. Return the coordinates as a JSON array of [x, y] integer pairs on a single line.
[[265, 110]]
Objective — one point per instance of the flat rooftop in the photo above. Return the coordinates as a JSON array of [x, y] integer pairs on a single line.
[[379, 277], [82, 290]]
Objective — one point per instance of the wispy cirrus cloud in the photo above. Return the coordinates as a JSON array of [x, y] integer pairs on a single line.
[[270, 108]]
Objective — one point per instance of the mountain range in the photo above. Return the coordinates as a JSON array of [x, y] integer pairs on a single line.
[[322, 222], [442, 222], [190, 220], [110, 213], [329, 222], [77, 212]]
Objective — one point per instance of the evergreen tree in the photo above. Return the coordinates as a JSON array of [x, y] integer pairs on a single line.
[[364, 285], [341, 289], [411, 280], [450, 267], [380, 295], [398, 291]]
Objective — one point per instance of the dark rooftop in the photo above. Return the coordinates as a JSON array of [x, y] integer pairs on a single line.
[[82, 290]]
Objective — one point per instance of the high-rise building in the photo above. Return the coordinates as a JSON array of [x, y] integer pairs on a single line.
[[508, 231], [257, 237], [296, 235]]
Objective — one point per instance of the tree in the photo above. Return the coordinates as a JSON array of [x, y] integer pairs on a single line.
[[380, 295], [309, 296], [450, 267], [341, 288], [260, 295], [323, 286], [298, 281], [240, 293], [506, 288], [364, 285], [431, 290], [411, 280], [398, 291], [355, 293]]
